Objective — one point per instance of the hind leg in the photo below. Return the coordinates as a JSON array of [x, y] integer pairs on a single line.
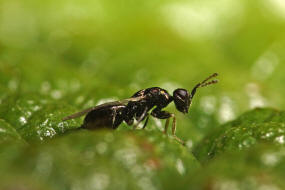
[[166, 115]]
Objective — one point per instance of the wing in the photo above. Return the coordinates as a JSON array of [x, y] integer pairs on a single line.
[[115, 103]]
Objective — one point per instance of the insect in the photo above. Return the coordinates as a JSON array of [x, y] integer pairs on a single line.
[[153, 100]]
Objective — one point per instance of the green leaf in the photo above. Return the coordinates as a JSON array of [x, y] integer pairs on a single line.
[[258, 167], [47, 122], [8, 133], [253, 127], [17, 109]]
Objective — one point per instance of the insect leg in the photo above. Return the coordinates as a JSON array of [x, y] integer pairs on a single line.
[[158, 113], [114, 117], [174, 130], [117, 116], [166, 115], [141, 117], [145, 123], [166, 125], [129, 113]]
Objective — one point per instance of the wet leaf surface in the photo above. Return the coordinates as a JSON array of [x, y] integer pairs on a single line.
[[8, 133], [258, 167], [251, 128]]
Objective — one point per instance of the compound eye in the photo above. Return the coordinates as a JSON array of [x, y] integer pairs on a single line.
[[181, 94]]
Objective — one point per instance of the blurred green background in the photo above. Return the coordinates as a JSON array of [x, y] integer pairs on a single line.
[[58, 57]]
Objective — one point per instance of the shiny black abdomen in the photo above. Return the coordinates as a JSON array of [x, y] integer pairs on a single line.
[[106, 117]]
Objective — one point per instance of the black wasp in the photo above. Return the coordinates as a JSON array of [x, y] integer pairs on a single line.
[[112, 114]]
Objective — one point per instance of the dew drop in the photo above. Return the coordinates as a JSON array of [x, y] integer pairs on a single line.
[[22, 120], [49, 132]]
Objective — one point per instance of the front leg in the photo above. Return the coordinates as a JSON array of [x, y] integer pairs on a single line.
[[158, 113]]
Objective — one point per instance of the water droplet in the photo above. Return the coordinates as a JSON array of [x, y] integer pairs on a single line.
[[249, 141], [45, 122], [49, 132], [61, 126], [22, 120], [269, 134]]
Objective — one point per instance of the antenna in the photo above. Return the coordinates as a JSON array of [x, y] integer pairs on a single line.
[[205, 83]]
